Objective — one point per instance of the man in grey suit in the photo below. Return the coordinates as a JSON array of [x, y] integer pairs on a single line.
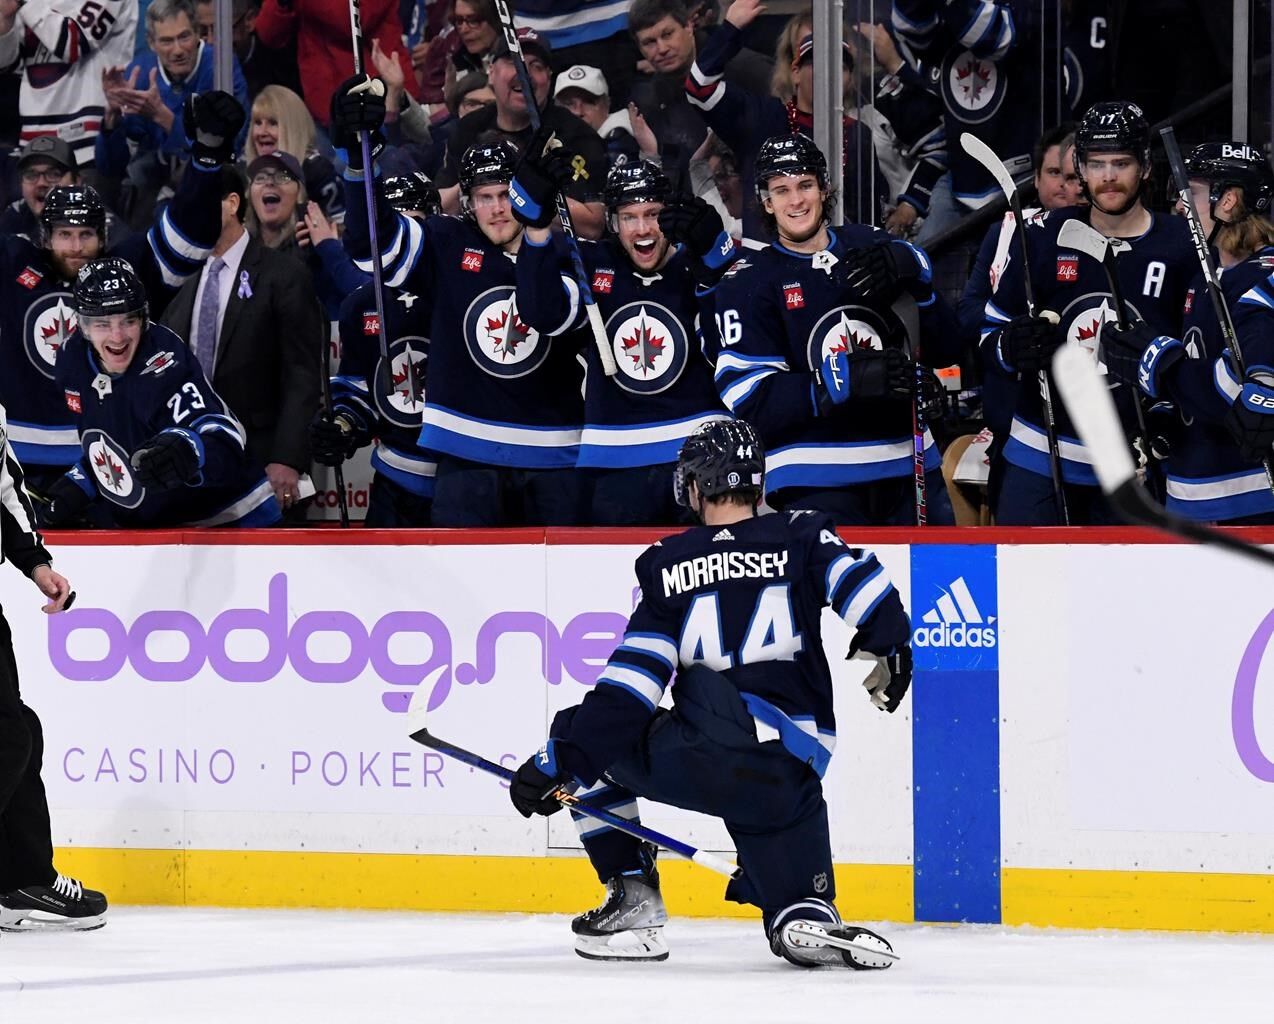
[[253, 321]]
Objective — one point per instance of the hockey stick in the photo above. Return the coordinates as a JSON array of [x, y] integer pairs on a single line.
[[1093, 412], [905, 309], [1075, 234], [384, 387], [985, 155], [417, 723], [1181, 181], [609, 366], [338, 471]]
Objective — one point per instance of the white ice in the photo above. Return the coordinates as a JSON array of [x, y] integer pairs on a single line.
[[193, 965]]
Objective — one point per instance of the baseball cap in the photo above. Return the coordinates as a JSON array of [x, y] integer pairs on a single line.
[[278, 160], [50, 148], [807, 47], [532, 42], [586, 79]]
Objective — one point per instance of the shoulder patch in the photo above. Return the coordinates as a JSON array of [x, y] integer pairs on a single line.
[[30, 277], [738, 265], [158, 363]]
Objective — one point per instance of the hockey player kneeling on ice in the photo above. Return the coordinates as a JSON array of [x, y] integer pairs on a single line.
[[157, 443], [33, 894], [732, 606]]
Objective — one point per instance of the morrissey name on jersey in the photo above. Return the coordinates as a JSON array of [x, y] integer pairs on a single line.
[[723, 565]]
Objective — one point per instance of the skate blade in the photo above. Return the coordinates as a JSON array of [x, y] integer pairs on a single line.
[[863, 950], [635, 944], [40, 921]]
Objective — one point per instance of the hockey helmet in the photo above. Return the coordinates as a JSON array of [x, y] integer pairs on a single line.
[[107, 287], [413, 193], [76, 205], [788, 154], [637, 182], [721, 457], [1225, 165], [1116, 126], [487, 163]]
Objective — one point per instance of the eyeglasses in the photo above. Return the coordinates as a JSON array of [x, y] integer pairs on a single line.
[[50, 175], [468, 20], [273, 178]]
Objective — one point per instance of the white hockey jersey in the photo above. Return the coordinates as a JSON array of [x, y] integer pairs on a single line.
[[62, 47]]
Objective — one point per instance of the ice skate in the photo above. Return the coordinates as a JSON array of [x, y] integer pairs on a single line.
[[63, 906], [822, 944], [628, 925]]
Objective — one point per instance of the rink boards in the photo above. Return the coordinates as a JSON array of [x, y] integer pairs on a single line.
[[1089, 741]]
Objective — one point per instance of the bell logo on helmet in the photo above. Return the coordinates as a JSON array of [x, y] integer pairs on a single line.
[[1239, 152]]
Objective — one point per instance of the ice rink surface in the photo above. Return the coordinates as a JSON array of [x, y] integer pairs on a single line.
[[191, 965]]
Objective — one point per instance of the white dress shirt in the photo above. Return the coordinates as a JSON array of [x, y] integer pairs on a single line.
[[227, 281]]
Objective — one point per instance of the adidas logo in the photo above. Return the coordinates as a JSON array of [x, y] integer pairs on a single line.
[[955, 621], [723, 535]]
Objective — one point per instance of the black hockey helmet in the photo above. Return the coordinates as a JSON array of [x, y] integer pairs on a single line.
[[487, 163], [792, 153], [413, 193], [1225, 165], [107, 287], [1116, 126], [639, 181], [77, 205], [722, 457]]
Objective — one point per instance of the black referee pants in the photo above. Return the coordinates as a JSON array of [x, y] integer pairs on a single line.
[[26, 844]]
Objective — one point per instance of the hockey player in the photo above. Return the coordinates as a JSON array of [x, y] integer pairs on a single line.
[[645, 286], [812, 351], [365, 412], [33, 894], [1224, 423], [503, 413], [733, 607], [36, 314], [1154, 267], [157, 444]]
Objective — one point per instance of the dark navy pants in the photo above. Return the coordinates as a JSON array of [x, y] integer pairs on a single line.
[[890, 502], [473, 494], [704, 756], [1027, 499], [389, 505], [638, 496]]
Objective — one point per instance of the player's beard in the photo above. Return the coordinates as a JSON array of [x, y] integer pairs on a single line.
[[67, 269]]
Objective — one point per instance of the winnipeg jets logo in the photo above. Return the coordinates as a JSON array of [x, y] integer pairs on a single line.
[[973, 79], [50, 322], [972, 86], [650, 347], [1083, 319], [408, 358], [111, 471], [499, 340], [158, 363], [844, 329]]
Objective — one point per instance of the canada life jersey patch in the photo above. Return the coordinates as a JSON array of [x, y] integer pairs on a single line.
[[1067, 269], [793, 296]]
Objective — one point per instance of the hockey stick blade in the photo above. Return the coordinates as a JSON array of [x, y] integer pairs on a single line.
[[1093, 412], [1075, 234], [418, 730], [987, 157]]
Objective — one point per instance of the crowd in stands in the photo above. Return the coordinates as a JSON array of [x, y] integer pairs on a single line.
[[692, 87]]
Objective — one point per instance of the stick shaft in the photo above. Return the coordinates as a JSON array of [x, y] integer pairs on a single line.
[[338, 471]]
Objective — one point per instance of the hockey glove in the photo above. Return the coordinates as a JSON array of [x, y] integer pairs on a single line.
[[1250, 420], [1137, 356], [169, 459], [543, 171], [358, 105], [535, 784], [931, 395], [692, 222], [863, 373], [1026, 343], [212, 121], [889, 681], [64, 504], [884, 269], [333, 438]]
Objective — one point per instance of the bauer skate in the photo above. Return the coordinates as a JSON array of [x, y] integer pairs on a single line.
[[63, 906], [823, 944], [629, 925]]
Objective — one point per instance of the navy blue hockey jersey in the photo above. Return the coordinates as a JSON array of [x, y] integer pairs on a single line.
[[392, 420], [778, 314], [745, 600], [502, 393], [37, 315], [162, 389], [1154, 272], [1207, 479], [664, 388]]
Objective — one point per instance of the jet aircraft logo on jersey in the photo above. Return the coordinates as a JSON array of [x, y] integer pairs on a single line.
[[50, 322], [650, 347], [955, 621], [110, 467], [408, 358], [846, 328], [499, 340], [1082, 321], [158, 363], [972, 86]]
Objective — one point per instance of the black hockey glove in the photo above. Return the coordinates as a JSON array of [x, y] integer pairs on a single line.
[[1137, 356], [889, 681], [863, 373], [1250, 421], [931, 395], [212, 121], [692, 222], [543, 171], [358, 105], [169, 459], [534, 784], [884, 269], [62, 506], [333, 438], [1026, 343]]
